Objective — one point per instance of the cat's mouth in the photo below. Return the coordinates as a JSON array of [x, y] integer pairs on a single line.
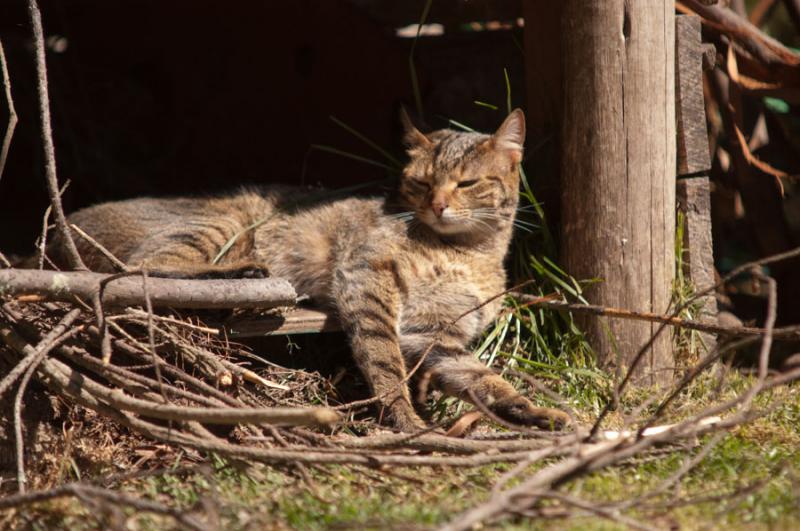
[[450, 222]]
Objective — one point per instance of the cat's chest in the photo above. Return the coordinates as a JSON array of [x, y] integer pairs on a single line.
[[440, 290]]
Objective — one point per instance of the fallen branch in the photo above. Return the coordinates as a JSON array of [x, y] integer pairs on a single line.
[[128, 291]]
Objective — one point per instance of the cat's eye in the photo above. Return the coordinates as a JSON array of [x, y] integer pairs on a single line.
[[467, 184]]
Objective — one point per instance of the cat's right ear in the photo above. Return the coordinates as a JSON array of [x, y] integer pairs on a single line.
[[412, 137]]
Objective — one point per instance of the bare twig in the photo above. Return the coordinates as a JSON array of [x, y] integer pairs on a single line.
[[44, 345], [134, 313], [151, 336], [73, 256], [42, 243], [116, 262], [670, 320], [87, 492], [12, 113], [594, 508]]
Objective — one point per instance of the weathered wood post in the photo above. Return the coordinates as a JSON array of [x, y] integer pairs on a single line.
[[618, 167]]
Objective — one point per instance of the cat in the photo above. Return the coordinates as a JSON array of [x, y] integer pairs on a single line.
[[402, 273]]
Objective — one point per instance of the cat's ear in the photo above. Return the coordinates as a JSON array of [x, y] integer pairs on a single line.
[[412, 137], [510, 136]]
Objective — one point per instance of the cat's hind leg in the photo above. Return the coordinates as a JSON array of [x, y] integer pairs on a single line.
[[455, 371], [191, 254]]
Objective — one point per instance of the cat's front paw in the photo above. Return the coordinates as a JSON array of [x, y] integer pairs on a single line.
[[518, 410], [405, 419]]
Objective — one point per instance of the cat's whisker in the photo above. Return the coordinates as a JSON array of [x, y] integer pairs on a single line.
[[482, 224], [523, 228], [528, 223]]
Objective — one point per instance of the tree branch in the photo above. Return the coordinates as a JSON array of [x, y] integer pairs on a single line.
[[128, 291]]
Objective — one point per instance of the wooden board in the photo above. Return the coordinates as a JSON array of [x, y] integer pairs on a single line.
[[690, 110], [287, 322], [694, 200]]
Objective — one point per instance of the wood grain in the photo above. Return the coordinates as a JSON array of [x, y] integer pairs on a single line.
[[694, 200], [693, 156], [618, 167]]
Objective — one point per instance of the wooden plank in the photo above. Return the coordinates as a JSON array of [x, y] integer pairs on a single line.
[[287, 322], [694, 201], [618, 169], [690, 111]]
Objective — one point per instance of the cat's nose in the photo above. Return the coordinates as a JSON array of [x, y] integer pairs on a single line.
[[438, 206]]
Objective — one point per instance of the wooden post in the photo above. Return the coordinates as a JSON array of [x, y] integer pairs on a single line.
[[618, 168]]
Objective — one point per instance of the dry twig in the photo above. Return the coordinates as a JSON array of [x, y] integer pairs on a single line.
[[12, 112], [47, 137]]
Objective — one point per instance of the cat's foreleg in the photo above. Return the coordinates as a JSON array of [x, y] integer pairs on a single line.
[[367, 299]]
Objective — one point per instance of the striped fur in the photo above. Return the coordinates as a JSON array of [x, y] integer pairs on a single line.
[[402, 273]]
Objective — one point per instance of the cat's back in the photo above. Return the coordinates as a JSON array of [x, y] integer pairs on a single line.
[[307, 243]]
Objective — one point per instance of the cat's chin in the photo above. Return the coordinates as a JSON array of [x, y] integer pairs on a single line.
[[448, 226]]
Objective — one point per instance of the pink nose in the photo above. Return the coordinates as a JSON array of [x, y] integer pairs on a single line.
[[438, 207]]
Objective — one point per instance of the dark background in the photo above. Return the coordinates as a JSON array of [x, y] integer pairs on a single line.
[[176, 97]]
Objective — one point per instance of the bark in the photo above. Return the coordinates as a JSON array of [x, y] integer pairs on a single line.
[[129, 291]]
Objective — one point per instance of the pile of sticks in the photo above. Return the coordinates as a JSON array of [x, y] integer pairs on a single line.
[[170, 379]]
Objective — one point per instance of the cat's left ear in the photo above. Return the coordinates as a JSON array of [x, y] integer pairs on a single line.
[[412, 136], [510, 136]]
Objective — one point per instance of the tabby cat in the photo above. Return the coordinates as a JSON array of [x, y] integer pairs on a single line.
[[402, 272]]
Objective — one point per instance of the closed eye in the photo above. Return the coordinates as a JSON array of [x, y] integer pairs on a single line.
[[419, 184], [467, 184]]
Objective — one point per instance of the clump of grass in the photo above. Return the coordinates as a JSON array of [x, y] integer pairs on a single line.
[[544, 343], [688, 344]]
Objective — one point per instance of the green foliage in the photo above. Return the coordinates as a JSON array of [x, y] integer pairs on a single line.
[[544, 343]]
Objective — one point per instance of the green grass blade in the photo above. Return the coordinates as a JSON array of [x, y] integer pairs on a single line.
[[346, 154], [412, 67], [367, 141]]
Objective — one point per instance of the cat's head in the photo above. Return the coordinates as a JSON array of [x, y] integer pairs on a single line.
[[460, 182]]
